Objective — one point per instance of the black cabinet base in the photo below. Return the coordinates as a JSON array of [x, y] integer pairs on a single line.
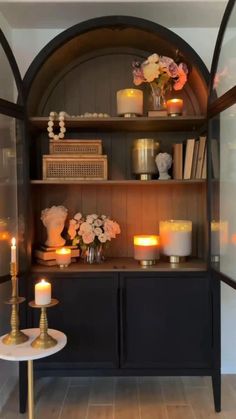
[[216, 385]]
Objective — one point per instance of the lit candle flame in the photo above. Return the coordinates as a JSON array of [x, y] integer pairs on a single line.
[[13, 241]]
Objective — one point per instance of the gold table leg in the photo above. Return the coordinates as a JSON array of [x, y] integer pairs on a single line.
[[30, 390]]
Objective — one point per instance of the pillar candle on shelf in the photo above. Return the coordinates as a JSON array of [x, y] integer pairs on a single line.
[[13, 250], [176, 238], [42, 293], [146, 249], [63, 257], [174, 107], [129, 102]]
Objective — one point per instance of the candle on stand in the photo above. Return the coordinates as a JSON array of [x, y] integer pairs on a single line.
[[174, 107], [176, 238], [129, 102], [13, 250], [146, 249], [42, 293], [63, 257]]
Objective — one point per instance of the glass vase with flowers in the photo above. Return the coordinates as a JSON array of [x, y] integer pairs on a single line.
[[92, 233], [163, 74]]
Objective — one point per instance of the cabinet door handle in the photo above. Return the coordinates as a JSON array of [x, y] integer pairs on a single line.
[[123, 325]]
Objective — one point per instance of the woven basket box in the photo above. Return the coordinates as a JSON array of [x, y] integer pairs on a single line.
[[75, 147], [75, 167]]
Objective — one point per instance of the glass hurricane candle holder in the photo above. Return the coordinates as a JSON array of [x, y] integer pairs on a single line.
[[63, 257], [176, 239], [174, 107], [146, 249], [129, 102]]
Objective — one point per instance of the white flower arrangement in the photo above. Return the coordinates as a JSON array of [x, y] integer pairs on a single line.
[[92, 230]]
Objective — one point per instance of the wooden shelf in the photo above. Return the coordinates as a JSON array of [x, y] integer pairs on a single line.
[[179, 123], [123, 265], [117, 182]]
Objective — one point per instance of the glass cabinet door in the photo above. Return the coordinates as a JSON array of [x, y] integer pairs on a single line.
[[12, 178], [222, 150]]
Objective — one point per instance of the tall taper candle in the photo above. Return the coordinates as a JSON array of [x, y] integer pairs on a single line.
[[13, 250]]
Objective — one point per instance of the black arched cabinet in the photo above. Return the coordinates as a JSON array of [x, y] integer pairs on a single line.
[[119, 318]]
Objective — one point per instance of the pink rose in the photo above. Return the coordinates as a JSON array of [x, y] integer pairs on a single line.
[[88, 237]]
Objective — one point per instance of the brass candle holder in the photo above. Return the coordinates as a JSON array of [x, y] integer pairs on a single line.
[[16, 336], [44, 340]]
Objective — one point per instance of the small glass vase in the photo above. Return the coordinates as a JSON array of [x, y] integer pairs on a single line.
[[158, 101], [93, 254]]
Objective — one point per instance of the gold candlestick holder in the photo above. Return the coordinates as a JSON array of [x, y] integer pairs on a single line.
[[16, 336], [44, 340]]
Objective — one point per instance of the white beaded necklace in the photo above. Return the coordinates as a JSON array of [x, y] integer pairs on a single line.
[[51, 119]]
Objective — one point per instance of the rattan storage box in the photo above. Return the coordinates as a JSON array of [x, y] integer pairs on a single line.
[[76, 147], [65, 166]]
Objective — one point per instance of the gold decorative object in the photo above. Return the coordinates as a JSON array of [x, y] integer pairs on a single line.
[[144, 152], [16, 336], [44, 340]]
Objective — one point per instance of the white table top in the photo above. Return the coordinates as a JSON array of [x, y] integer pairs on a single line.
[[25, 352]]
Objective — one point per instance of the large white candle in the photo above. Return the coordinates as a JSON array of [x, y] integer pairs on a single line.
[[176, 237], [42, 293], [63, 257], [146, 248], [13, 250], [129, 101], [219, 237]]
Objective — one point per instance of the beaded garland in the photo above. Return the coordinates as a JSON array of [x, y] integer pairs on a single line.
[[52, 118]]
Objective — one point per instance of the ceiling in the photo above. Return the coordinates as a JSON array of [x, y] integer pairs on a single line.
[[63, 14]]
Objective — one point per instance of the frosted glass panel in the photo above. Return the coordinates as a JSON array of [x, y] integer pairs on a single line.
[[8, 190], [7, 81], [225, 77], [223, 223]]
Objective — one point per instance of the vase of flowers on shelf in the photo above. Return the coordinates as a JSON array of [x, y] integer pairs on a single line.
[[92, 234], [163, 74]]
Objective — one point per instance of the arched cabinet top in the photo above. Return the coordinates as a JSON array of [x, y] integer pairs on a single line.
[[103, 43]]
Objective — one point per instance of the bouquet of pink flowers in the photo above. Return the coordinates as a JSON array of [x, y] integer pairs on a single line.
[[92, 230], [160, 71]]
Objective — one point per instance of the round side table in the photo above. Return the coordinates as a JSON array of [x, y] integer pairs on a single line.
[[25, 352]]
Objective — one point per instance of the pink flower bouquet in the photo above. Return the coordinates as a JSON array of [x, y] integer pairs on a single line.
[[92, 230], [161, 72]]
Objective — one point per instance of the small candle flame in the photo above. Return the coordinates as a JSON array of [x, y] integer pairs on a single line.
[[13, 241]]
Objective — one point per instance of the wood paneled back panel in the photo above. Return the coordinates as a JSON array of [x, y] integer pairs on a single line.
[[90, 83], [138, 209]]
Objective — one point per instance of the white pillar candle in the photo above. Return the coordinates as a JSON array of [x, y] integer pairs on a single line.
[[63, 257], [174, 107], [146, 248], [13, 250], [129, 101], [42, 293], [176, 237]]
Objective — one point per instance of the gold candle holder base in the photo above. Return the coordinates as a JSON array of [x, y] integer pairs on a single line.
[[174, 114], [129, 115], [15, 336], [146, 263], [145, 176], [44, 340], [177, 259]]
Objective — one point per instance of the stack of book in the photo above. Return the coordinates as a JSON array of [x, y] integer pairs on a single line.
[[190, 159]]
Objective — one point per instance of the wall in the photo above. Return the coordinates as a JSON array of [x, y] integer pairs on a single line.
[[28, 42]]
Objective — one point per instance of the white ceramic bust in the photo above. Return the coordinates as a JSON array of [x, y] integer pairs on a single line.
[[163, 162], [54, 220]]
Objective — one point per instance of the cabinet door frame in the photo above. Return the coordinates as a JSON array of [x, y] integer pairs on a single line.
[[213, 325]]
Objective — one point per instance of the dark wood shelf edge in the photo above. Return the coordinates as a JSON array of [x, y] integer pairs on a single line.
[[166, 123], [116, 182], [123, 265]]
